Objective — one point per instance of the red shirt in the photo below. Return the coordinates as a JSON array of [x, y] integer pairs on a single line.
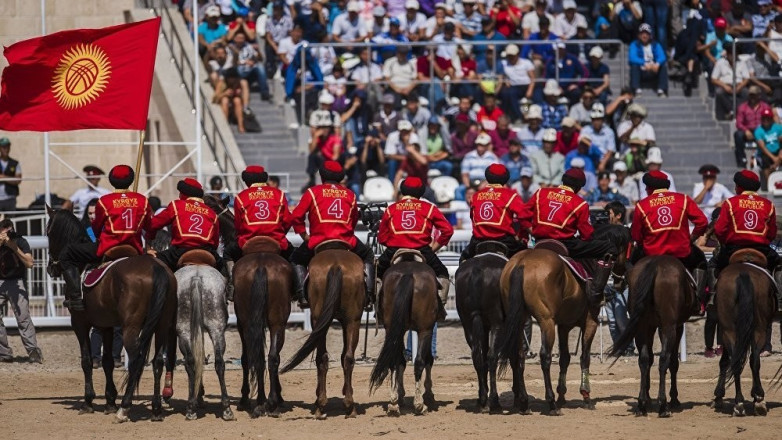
[[468, 65], [193, 224], [409, 223], [493, 211], [262, 210], [413, 168], [120, 218], [565, 146], [328, 146], [746, 219], [660, 223], [505, 24], [332, 211], [422, 65], [488, 119], [558, 213], [501, 143]]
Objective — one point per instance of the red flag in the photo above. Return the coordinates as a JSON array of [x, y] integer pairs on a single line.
[[82, 78]]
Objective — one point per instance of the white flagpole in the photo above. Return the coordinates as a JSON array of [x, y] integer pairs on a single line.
[[47, 183], [197, 95]]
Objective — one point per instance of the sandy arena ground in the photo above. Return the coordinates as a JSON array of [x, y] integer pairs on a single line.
[[41, 401]]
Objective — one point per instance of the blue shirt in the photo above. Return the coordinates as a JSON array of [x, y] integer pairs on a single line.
[[480, 49], [553, 115], [514, 166], [544, 50], [569, 68], [604, 139], [596, 195], [601, 21], [591, 157], [770, 137], [597, 73], [211, 35], [716, 50]]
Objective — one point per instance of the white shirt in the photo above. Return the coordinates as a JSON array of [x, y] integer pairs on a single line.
[[288, 48], [367, 74], [82, 197], [518, 74], [431, 25], [322, 117], [18, 172], [400, 75], [567, 29], [348, 30], [475, 165], [531, 21], [642, 185], [644, 131], [462, 213], [394, 144], [414, 25], [717, 194], [326, 58], [724, 72], [628, 189], [446, 49]]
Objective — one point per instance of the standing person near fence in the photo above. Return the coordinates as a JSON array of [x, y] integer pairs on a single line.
[[15, 258], [12, 177], [80, 198]]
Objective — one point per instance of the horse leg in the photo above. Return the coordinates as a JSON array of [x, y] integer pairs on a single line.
[[244, 402], [738, 407], [754, 363], [322, 363], [564, 363], [428, 362], [547, 329], [217, 335], [587, 336], [478, 362], [83, 334], [668, 341], [719, 391], [424, 345], [674, 369], [644, 343], [520, 396], [350, 335], [494, 398], [108, 370], [192, 392], [130, 342], [277, 339], [168, 382], [157, 372], [393, 404]]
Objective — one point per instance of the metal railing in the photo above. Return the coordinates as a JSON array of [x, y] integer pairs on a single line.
[[738, 42]]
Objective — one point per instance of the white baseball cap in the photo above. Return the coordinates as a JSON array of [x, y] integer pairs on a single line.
[[620, 166], [567, 121], [654, 155], [535, 112], [550, 135], [483, 139], [511, 49], [527, 172], [326, 98], [577, 162], [404, 124], [412, 4], [213, 11], [552, 88], [353, 6], [568, 4], [596, 52], [598, 111]]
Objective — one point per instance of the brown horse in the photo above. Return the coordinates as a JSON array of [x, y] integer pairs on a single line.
[[539, 283], [138, 294], [746, 303], [661, 298], [263, 289], [410, 302], [336, 291]]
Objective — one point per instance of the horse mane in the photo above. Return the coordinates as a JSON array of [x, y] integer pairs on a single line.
[[64, 228], [225, 217], [619, 235]]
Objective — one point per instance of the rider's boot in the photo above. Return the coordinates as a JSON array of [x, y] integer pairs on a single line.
[[73, 296], [701, 283], [299, 275], [596, 286], [442, 294], [369, 283]]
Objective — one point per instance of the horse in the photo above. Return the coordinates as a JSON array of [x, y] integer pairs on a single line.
[[410, 302], [746, 303], [538, 282], [661, 298], [263, 283], [480, 310], [138, 294], [336, 291]]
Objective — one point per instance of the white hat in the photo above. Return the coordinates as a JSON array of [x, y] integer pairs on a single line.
[[596, 52], [567, 121], [353, 6], [585, 138], [550, 135], [511, 49], [552, 88], [213, 11], [326, 98], [527, 172], [412, 4], [577, 162], [654, 155], [439, 5], [598, 111], [404, 124], [483, 139], [560, 44], [433, 173], [379, 11], [568, 4], [535, 112], [620, 166]]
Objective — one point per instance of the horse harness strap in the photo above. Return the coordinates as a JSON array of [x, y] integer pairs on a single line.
[[492, 254], [765, 272], [577, 268], [407, 255]]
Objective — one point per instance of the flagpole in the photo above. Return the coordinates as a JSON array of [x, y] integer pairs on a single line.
[[197, 94], [47, 184], [138, 159]]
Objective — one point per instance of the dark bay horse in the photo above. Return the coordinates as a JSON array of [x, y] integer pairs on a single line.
[[409, 301], [336, 291], [746, 303], [138, 294], [539, 283], [661, 298], [479, 303], [263, 283]]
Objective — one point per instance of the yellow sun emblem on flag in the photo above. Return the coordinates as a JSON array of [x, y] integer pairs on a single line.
[[80, 76]]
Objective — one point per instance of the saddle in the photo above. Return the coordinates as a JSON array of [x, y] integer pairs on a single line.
[[491, 247], [334, 244], [261, 244], [558, 248], [121, 251], [407, 255], [94, 276], [196, 257], [749, 255]]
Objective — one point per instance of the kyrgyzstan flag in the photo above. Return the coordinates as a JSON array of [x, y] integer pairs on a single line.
[[82, 78]]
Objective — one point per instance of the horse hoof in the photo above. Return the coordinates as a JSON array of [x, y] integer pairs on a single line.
[[484, 409], [320, 415], [640, 413], [665, 414], [274, 414], [525, 412], [157, 417], [761, 409], [110, 409], [258, 411], [121, 416], [589, 404], [191, 416], [244, 405], [168, 393], [738, 410], [201, 403], [675, 404], [228, 415], [86, 409], [421, 409], [716, 404], [561, 400], [393, 411], [555, 412]]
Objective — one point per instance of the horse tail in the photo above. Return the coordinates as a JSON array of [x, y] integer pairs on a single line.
[[511, 332], [474, 300], [318, 335], [160, 286], [255, 330], [643, 290], [392, 353], [196, 330], [744, 322]]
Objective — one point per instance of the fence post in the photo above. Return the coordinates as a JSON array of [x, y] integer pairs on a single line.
[[733, 58], [303, 67]]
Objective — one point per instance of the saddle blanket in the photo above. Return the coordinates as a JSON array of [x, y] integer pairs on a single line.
[[93, 276], [577, 268]]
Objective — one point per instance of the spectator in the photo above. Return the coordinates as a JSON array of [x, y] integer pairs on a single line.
[[446, 41], [617, 109], [325, 145], [627, 187], [654, 162], [514, 160], [689, 50], [366, 73], [437, 146], [506, 16], [717, 40], [278, 26], [475, 162], [566, 23], [396, 144], [626, 15], [463, 139], [740, 24], [774, 47], [488, 33], [591, 179], [249, 66], [648, 61], [187, 11], [400, 72], [432, 86], [12, 177], [655, 17], [530, 23], [15, 258], [291, 55], [548, 165], [222, 60], [413, 23], [391, 39], [337, 85], [519, 74], [242, 24], [324, 116], [469, 20], [585, 150], [761, 21], [380, 22], [372, 156], [599, 74], [211, 32], [604, 194], [569, 69], [723, 79], [580, 49], [228, 94], [567, 138], [348, 27], [747, 120], [313, 17], [531, 136], [603, 27], [325, 56], [540, 53], [635, 157], [525, 186], [636, 127], [710, 194], [581, 111], [553, 110], [467, 73], [489, 114], [616, 297], [415, 164], [765, 75], [79, 200], [602, 136], [463, 107], [417, 115], [768, 136], [435, 25], [387, 118], [502, 136], [463, 220]]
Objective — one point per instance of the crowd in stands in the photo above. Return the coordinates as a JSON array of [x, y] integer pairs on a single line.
[[383, 104]]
